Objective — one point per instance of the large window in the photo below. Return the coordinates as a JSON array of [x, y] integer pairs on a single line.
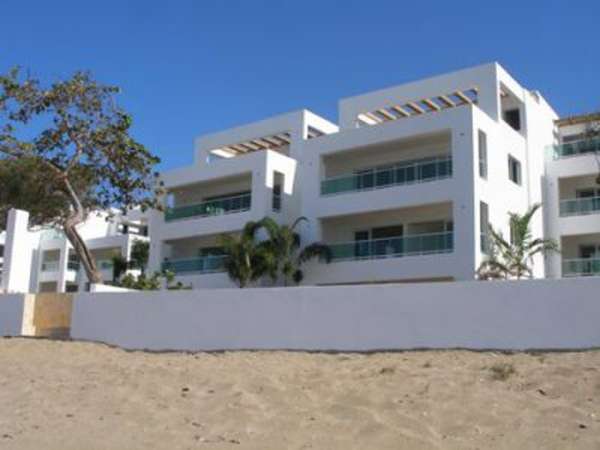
[[514, 170], [483, 163]]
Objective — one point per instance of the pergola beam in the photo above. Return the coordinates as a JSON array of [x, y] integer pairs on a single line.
[[431, 104], [463, 97], [401, 111], [386, 114], [415, 107]]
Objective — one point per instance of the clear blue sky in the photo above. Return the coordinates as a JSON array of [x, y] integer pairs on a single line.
[[192, 67]]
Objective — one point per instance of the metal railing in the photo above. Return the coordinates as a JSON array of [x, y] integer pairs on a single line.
[[579, 206], [575, 148], [225, 205], [417, 171], [412, 245], [580, 267], [201, 264]]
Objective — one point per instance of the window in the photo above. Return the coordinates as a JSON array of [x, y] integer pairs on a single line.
[[513, 118], [514, 170], [482, 144], [484, 223], [361, 244], [277, 197]]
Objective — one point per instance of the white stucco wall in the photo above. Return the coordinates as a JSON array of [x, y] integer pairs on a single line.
[[11, 314], [502, 315]]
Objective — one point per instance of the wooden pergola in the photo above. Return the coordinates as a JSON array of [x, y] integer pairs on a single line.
[[420, 107]]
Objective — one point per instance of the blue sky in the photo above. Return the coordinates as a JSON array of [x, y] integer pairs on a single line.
[[192, 67]]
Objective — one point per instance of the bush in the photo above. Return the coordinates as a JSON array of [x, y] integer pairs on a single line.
[[502, 371]]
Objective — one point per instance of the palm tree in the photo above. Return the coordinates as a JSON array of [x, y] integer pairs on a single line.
[[513, 259], [247, 261], [119, 267], [140, 252], [286, 253]]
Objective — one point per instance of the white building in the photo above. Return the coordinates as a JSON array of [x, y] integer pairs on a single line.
[[402, 189], [40, 259], [573, 196]]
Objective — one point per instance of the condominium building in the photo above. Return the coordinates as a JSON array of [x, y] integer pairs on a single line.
[[402, 189], [572, 200], [41, 259]]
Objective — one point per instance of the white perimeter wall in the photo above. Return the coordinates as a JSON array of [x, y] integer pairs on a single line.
[[548, 314], [11, 314]]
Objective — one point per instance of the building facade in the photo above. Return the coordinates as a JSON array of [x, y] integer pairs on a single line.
[[403, 189], [572, 200], [41, 259]]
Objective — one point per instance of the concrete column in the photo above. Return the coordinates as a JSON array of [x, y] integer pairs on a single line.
[[465, 210], [63, 262], [17, 253], [260, 193]]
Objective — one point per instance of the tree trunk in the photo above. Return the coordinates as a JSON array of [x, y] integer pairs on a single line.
[[70, 228], [82, 251]]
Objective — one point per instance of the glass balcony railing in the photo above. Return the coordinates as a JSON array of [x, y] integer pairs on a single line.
[[418, 171], [225, 205], [575, 148], [51, 234], [202, 264], [104, 264], [581, 267], [580, 206], [50, 266], [418, 244]]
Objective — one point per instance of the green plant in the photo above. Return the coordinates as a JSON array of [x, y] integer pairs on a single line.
[[75, 139], [140, 252], [284, 244], [247, 260], [154, 282], [119, 267], [502, 371], [513, 259]]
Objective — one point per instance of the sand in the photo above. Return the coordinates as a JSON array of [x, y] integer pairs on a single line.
[[73, 395]]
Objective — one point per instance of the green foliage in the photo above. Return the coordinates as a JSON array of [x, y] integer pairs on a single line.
[[247, 261], [287, 255], [66, 150], [512, 259], [153, 282], [140, 253], [119, 267], [280, 256]]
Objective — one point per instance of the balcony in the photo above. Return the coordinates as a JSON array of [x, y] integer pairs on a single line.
[[580, 206], [203, 264], [410, 245], [575, 148], [225, 205], [50, 266], [105, 264], [410, 172], [581, 267]]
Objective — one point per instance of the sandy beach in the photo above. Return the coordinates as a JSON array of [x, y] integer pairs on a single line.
[[73, 395]]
